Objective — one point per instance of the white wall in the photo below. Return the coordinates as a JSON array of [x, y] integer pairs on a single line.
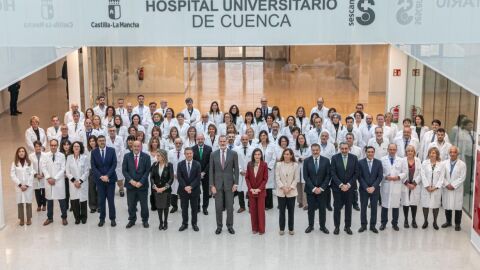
[[397, 85]]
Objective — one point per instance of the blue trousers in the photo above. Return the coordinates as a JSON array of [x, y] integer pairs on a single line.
[[106, 192]]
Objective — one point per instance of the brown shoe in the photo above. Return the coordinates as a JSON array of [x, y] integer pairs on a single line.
[[64, 221], [39, 209], [21, 222], [48, 221], [29, 221], [241, 210], [44, 208]]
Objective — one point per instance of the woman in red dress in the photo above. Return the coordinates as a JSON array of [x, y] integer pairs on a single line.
[[256, 178]]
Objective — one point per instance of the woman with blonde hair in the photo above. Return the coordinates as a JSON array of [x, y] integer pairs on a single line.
[[412, 187], [287, 176], [35, 133], [432, 181], [161, 179], [21, 173]]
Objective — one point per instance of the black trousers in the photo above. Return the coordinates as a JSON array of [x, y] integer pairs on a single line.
[[288, 204], [328, 196], [92, 193], [133, 197], [106, 192], [414, 212], [13, 101], [174, 201], [67, 193], [63, 209], [355, 196], [366, 197], [241, 198], [153, 203], [269, 199], [342, 199], [315, 202], [458, 216], [205, 193], [395, 213], [185, 201], [79, 210], [40, 197]]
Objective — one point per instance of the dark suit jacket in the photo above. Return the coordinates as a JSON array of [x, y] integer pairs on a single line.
[[373, 179], [140, 174], [14, 87], [164, 180], [342, 176], [104, 167], [205, 161], [316, 179], [193, 180], [259, 181]]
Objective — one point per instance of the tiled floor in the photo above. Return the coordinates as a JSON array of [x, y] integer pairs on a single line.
[[90, 247]]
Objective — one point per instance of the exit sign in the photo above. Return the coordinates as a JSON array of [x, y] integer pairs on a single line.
[[397, 72]]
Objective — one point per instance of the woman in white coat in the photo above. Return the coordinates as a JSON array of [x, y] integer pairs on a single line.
[[452, 195], [412, 187], [77, 170], [268, 152], [432, 181], [21, 173], [302, 151], [37, 158], [35, 133], [244, 152]]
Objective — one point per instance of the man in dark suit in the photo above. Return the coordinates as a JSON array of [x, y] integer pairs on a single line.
[[370, 177], [344, 170], [135, 169], [103, 163], [316, 172], [189, 174], [14, 90], [201, 153]]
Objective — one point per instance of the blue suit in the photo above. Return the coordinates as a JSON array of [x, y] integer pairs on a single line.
[[106, 191], [369, 178], [134, 194], [193, 180], [316, 178]]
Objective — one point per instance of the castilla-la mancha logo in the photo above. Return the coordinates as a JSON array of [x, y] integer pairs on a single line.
[[114, 9]]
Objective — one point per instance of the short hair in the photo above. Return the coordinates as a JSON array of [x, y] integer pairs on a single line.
[[100, 137], [315, 145], [359, 104], [342, 143], [362, 115], [407, 120], [350, 134], [37, 143], [349, 118], [131, 138], [188, 100], [441, 130], [152, 103], [76, 113], [369, 147], [180, 114], [140, 96], [296, 129], [188, 149], [436, 121], [283, 138], [35, 118]]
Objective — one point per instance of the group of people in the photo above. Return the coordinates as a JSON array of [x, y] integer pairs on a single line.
[[158, 157]]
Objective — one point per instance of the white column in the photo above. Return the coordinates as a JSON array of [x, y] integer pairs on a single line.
[[397, 85], [86, 78], [2, 210], [74, 79]]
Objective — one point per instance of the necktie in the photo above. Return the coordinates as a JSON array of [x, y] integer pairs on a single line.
[[178, 155], [316, 164], [136, 162], [370, 166], [53, 157], [452, 166], [472, 137], [204, 127], [433, 137], [130, 116], [369, 126], [345, 162], [200, 151], [391, 160], [245, 150], [103, 156], [230, 147], [223, 159], [88, 134], [76, 125], [319, 131], [188, 168], [406, 144]]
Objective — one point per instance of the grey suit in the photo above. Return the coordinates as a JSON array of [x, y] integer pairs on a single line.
[[223, 180]]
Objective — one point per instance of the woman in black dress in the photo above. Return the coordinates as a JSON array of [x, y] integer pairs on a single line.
[[161, 178]]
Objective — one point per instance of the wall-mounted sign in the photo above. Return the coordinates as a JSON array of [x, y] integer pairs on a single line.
[[397, 72], [415, 72]]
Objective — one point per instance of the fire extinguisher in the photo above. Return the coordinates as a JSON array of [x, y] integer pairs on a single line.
[[415, 111], [140, 73], [396, 113]]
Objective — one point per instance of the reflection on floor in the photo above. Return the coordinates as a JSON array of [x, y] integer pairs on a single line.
[[245, 82], [90, 247]]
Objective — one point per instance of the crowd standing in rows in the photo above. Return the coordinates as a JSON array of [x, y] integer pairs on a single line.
[[156, 156]]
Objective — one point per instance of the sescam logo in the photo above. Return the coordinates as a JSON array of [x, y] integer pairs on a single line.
[[46, 9], [410, 11], [7, 5], [365, 8], [114, 9], [47, 14]]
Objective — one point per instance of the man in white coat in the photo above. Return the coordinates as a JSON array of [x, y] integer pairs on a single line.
[[192, 115], [75, 128], [405, 140], [54, 132], [327, 149], [54, 172], [349, 128], [101, 107], [313, 135], [117, 143], [452, 195], [441, 143], [122, 111], [430, 137], [380, 143], [69, 115], [175, 155], [320, 109], [244, 152], [394, 174], [142, 111], [367, 130], [202, 126]]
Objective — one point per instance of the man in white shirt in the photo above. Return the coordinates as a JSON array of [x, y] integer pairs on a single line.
[[430, 137], [452, 195], [388, 132], [75, 128], [54, 132], [441, 143], [163, 107], [359, 108], [380, 143], [264, 107], [129, 114], [349, 128], [192, 115], [175, 155], [357, 151], [117, 143], [202, 126], [367, 130], [69, 115], [122, 111], [87, 131], [313, 135], [407, 123], [101, 107], [321, 110], [275, 134], [142, 111], [404, 141], [327, 149]]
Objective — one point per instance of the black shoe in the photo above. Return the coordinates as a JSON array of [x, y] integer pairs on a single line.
[[84, 221], [130, 224], [309, 229], [348, 231], [336, 231], [195, 228], [324, 230], [329, 208], [205, 212], [435, 226], [173, 210], [382, 227], [414, 224], [153, 208], [113, 223], [356, 207], [182, 228], [122, 193], [218, 231], [374, 230], [425, 225], [165, 226], [101, 223], [446, 225], [160, 228], [146, 225], [405, 225], [458, 228], [18, 112], [231, 230], [93, 211], [396, 228], [13, 114], [77, 221], [362, 229]]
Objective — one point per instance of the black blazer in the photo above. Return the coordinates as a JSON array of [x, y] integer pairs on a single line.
[[205, 161], [140, 174], [164, 180], [313, 178], [193, 180], [106, 166], [342, 176], [373, 179]]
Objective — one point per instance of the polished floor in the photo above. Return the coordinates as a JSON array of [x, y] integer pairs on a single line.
[[90, 247]]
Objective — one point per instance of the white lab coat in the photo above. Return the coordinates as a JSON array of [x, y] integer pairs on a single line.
[[412, 197], [243, 129], [388, 132], [174, 158], [242, 166], [182, 130], [119, 146], [75, 135], [269, 156], [123, 133], [426, 141], [381, 150], [400, 142], [453, 199], [357, 151], [304, 125], [323, 112], [313, 136], [357, 136], [166, 125], [22, 175], [391, 191], [52, 134], [435, 179], [69, 117], [202, 127], [442, 148], [213, 143], [78, 169], [304, 154], [55, 170], [107, 122], [144, 115], [366, 133], [123, 113], [37, 168], [335, 137], [192, 119], [327, 150], [100, 111], [31, 137], [217, 118]]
